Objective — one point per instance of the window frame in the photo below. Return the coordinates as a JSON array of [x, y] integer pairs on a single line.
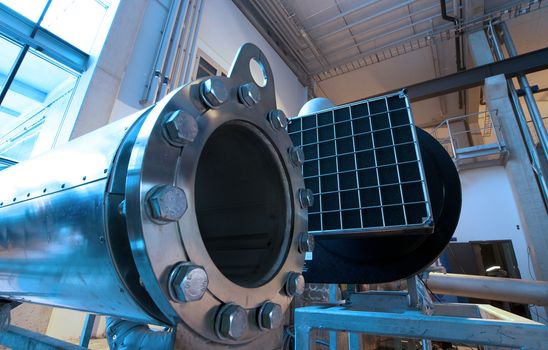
[[202, 55]]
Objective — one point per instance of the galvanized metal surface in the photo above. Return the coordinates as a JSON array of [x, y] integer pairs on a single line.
[[19, 338], [510, 331], [99, 224]]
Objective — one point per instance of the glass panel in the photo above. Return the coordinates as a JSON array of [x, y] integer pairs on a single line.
[[76, 21], [205, 69], [9, 52], [32, 9], [40, 91]]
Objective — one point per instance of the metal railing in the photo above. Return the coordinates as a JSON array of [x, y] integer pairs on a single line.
[[471, 138]]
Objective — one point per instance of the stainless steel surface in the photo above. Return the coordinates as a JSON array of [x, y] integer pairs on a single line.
[[99, 224], [270, 316], [294, 284], [232, 322], [188, 282], [489, 288], [249, 94]]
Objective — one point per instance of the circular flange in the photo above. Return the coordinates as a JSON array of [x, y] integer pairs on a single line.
[[154, 162]]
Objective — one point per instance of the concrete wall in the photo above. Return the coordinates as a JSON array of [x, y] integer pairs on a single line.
[[489, 212]]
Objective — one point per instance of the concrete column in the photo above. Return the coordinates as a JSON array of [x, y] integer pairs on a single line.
[[524, 186]]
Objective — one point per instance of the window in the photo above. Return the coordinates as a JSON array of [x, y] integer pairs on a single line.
[[44, 50], [207, 67]]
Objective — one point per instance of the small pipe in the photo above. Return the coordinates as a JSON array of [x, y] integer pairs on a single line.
[[123, 335], [489, 288]]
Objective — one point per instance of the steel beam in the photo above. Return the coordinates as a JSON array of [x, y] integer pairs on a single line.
[[511, 67], [513, 332], [20, 338]]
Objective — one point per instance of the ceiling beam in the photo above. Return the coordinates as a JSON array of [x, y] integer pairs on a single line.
[[523, 64]]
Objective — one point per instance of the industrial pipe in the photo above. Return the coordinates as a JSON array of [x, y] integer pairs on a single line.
[[489, 288], [187, 214]]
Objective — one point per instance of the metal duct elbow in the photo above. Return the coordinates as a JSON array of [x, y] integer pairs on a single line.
[[127, 335]]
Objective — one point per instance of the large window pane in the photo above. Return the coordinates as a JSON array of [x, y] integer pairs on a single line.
[[8, 53], [32, 9], [76, 21], [40, 91]]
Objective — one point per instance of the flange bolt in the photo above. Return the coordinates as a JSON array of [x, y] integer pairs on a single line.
[[294, 284], [180, 128], [249, 94], [232, 322], [187, 282], [270, 316], [213, 92], [277, 119], [306, 197], [167, 203]]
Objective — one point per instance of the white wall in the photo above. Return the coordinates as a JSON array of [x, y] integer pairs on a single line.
[[224, 29], [489, 212]]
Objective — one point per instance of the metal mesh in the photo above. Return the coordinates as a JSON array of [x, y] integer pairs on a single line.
[[363, 165]]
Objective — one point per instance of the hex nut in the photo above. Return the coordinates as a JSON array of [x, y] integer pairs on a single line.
[[187, 282], [294, 284], [277, 119], [167, 203], [296, 155], [249, 94], [270, 316], [213, 92], [306, 242], [232, 322], [180, 128], [306, 198]]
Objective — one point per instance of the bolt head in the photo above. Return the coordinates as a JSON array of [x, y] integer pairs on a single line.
[[294, 284], [270, 316], [232, 321], [249, 94], [213, 92], [306, 197], [188, 282], [277, 119], [306, 242], [180, 128], [296, 155], [167, 203]]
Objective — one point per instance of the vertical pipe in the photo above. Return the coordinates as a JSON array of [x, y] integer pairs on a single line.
[[522, 121], [529, 98], [156, 75], [196, 26]]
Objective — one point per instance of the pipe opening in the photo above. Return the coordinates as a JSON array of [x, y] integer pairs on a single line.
[[242, 204]]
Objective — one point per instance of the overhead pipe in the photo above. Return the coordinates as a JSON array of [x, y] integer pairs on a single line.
[[489, 288]]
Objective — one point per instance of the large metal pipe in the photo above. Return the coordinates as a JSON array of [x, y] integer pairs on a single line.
[[187, 213], [489, 288]]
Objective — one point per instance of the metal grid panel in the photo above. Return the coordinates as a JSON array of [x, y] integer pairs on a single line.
[[363, 165]]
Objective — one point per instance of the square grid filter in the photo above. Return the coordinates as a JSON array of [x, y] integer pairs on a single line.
[[363, 164]]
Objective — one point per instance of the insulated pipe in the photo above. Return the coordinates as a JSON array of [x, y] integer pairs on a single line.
[[490, 288]]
